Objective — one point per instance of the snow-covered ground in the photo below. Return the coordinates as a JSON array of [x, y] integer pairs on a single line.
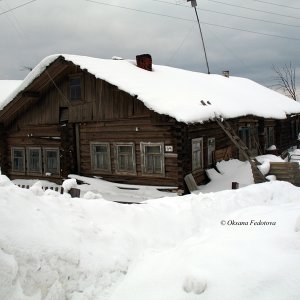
[[232, 244]]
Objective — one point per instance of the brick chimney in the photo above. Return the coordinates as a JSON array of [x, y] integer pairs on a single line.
[[144, 61], [226, 74]]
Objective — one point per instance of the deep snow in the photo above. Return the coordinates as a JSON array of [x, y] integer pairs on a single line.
[[55, 247]]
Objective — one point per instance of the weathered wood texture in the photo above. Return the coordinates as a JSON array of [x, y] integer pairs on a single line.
[[286, 132], [43, 116], [224, 148], [3, 150], [136, 131], [286, 171], [32, 136]]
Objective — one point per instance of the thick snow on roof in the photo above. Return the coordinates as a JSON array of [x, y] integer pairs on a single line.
[[6, 88], [187, 96]]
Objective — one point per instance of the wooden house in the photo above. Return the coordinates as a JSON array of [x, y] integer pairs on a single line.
[[134, 122]]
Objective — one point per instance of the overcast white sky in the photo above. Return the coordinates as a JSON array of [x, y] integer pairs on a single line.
[[45, 27]]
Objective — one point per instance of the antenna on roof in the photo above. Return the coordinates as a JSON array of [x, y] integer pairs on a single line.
[[194, 4], [25, 68]]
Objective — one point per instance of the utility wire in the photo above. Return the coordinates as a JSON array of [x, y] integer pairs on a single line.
[[11, 18], [4, 12], [228, 14], [276, 4], [189, 20], [253, 9]]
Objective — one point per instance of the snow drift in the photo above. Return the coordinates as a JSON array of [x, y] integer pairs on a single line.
[[56, 247]]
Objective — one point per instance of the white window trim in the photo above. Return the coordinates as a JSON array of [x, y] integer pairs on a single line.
[[143, 158], [92, 153], [28, 160], [194, 168], [56, 149], [116, 149], [12, 160]]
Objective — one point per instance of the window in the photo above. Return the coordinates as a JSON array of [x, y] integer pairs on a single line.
[[100, 157], [34, 162], [153, 158], [197, 154], [75, 88], [18, 159], [51, 160], [211, 147], [244, 134], [269, 137], [125, 158]]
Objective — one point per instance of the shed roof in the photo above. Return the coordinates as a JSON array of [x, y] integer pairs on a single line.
[[187, 96]]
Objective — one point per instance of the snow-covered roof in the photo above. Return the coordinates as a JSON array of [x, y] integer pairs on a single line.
[[185, 95], [6, 88]]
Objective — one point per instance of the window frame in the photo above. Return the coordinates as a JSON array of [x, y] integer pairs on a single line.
[[72, 77], [45, 160], [93, 162], [12, 160], [28, 170], [194, 166], [117, 166], [269, 136], [210, 153], [143, 146]]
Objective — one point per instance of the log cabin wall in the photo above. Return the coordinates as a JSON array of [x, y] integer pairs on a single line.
[[287, 131], [130, 131], [40, 137], [3, 150], [224, 149], [104, 114]]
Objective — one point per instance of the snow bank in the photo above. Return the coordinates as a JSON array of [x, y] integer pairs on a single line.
[[55, 247], [187, 96]]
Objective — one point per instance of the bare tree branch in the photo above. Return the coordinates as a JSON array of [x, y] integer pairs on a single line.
[[286, 79]]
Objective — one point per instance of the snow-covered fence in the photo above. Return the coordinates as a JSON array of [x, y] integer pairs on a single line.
[[56, 189]]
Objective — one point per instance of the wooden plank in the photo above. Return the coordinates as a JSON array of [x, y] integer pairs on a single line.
[[190, 182]]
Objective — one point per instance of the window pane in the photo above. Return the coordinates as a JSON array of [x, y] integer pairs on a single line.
[[51, 164], [125, 159], [125, 149], [153, 158], [152, 149], [34, 163], [197, 154], [101, 158], [18, 160], [75, 88]]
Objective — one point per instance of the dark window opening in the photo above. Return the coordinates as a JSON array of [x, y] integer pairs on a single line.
[[75, 88]]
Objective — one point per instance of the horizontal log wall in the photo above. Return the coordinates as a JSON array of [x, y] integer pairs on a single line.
[[224, 148], [287, 131], [130, 130], [43, 136]]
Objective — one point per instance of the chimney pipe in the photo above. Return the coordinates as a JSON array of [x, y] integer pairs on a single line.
[[226, 74], [144, 61]]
